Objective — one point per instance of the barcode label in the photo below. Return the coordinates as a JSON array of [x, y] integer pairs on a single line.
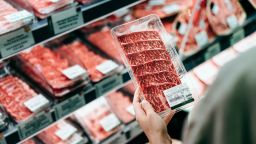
[[178, 96]]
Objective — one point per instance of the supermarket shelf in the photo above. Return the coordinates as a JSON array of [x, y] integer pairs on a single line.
[[64, 108], [59, 23]]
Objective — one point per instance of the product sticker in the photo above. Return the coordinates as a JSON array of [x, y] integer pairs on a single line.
[[232, 21], [109, 122], [65, 131], [77, 139], [130, 109], [74, 72], [170, 9], [178, 96], [156, 2], [107, 67], [36, 103], [183, 28], [21, 15], [215, 9], [121, 12], [201, 38]]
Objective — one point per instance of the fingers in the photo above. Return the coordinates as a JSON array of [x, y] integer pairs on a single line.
[[147, 107], [137, 106]]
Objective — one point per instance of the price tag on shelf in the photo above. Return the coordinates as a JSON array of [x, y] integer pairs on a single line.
[[65, 131], [109, 122], [115, 139], [15, 41], [108, 84], [36, 103], [107, 67], [34, 124], [74, 72], [237, 36], [212, 51], [170, 9], [66, 20], [70, 105]]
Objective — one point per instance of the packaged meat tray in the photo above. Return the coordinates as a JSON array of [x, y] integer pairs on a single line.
[[98, 120], [200, 32], [51, 71], [224, 57], [97, 66], [13, 17], [153, 63], [121, 104], [63, 132], [225, 15], [19, 100]]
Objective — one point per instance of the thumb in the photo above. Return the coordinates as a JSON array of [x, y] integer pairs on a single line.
[[147, 107]]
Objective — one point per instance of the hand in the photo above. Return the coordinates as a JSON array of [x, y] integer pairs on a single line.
[[152, 124]]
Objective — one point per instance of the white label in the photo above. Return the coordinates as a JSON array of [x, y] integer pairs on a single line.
[[202, 24], [76, 139], [36, 103], [74, 72], [121, 12], [183, 28], [109, 122], [178, 96], [170, 9], [156, 2], [215, 9], [232, 21], [66, 131], [21, 15], [130, 109], [107, 67], [54, 1], [201, 38]]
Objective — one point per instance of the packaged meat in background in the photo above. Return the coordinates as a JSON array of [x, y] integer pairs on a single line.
[[19, 100], [225, 15], [13, 17], [253, 2], [63, 132], [130, 88], [245, 44], [121, 104], [206, 72], [51, 71], [197, 87], [97, 66], [154, 64], [29, 141], [200, 32], [98, 119], [162, 8], [224, 57]]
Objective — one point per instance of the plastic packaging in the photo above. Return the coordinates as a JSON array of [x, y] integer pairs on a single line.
[[13, 16], [53, 72], [153, 63], [98, 119]]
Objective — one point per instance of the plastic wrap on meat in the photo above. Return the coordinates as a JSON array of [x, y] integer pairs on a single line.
[[104, 41], [52, 135], [225, 15], [13, 93], [89, 118], [151, 65], [119, 102]]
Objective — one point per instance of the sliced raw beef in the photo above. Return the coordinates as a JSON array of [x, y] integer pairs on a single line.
[[225, 15], [13, 93], [104, 41], [151, 65], [119, 103], [57, 134]]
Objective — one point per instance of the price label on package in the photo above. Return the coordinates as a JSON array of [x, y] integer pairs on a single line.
[[66, 107], [34, 124], [66, 131], [237, 36], [15, 41], [178, 96], [109, 122], [66, 20]]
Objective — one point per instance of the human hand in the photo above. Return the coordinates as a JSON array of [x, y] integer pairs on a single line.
[[152, 124]]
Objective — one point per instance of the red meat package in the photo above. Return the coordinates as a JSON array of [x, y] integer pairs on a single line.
[[225, 15], [96, 65], [51, 71], [121, 105], [154, 64], [62, 132], [98, 119], [19, 100]]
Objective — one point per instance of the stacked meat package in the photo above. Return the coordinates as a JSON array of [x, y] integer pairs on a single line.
[[62, 132], [19, 100], [12, 16], [98, 119], [225, 15], [96, 65], [53, 72], [153, 63]]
